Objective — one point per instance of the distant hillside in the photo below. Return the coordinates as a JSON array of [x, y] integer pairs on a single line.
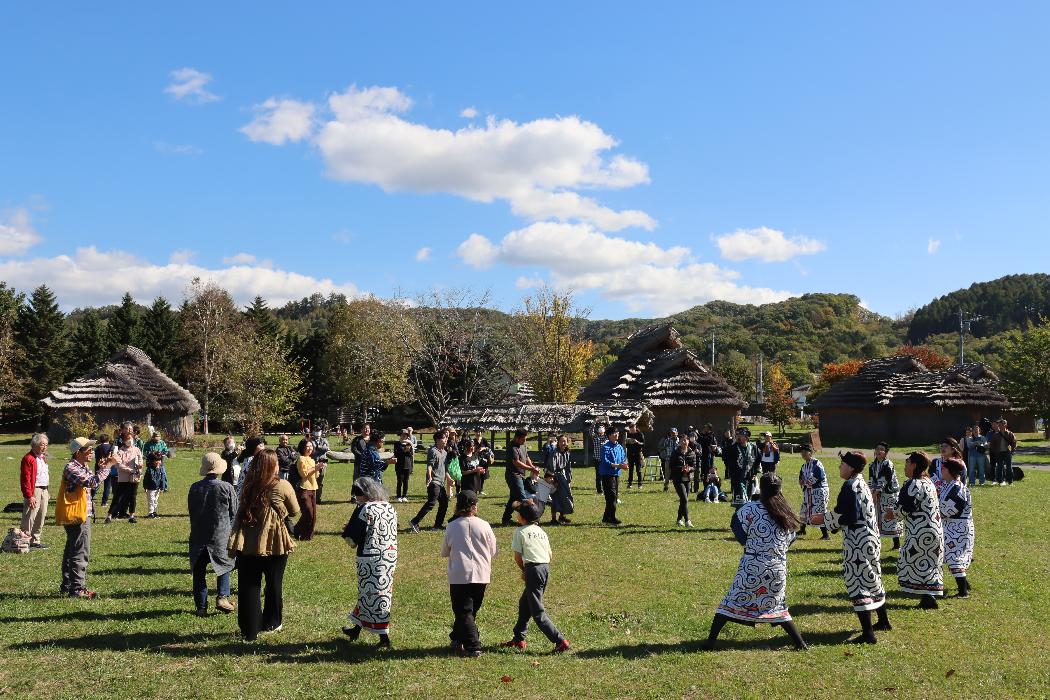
[[1005, 304]]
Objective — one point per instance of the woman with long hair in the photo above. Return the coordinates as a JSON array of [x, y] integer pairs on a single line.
[[261, 543], [855, 515], [372, 531], [921, 558], [766, 528]]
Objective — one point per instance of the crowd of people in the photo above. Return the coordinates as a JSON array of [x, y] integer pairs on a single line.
[[254, 505]]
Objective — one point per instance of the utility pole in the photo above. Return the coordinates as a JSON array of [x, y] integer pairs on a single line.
[[712, 348], [761, 380], [964, 325]]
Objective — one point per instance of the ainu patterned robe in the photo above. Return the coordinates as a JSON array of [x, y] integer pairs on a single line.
[[373, 528], [854, 514], [882, 479], [957, 516], [919, 566], [759, 590], [814, 482]]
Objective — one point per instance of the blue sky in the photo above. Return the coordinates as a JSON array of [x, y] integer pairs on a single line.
[[650, 158]]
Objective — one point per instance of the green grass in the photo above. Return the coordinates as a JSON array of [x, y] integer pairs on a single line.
[[634, 601]]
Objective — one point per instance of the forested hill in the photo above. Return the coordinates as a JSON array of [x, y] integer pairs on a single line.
[[802, 332], [1004, 304]]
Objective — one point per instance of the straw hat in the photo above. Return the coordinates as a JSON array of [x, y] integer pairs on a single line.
[[212, 463]]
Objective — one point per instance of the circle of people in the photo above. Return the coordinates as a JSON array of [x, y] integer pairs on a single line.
[[243, 515]]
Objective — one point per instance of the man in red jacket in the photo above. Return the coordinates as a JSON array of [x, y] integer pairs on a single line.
[[35, 480]]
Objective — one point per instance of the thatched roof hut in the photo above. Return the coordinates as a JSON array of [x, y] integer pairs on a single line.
[[1020, 418], [655, 368], [899, 400], [128, 387]]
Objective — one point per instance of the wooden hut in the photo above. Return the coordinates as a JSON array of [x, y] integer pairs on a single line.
[[899, 400], [1019, 418], [656, 369], [128, 387]]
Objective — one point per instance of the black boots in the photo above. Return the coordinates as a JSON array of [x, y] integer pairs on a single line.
[[928, 602], [716, 626], [824, 534], [802, 530], [964, 586], [867, 635], [883, 625], [792, 631], [896, 542]]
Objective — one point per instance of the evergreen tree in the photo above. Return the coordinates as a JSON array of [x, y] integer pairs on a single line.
[[125, 328], [259, 314], [160, 336], [90, 347], [41, 337], [11, 357]]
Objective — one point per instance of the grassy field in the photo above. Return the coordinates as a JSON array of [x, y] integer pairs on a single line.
[[635, 602]]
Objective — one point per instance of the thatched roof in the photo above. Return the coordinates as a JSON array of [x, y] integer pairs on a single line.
[[128, 381], [544, 417], [655, 368], [904, 381]]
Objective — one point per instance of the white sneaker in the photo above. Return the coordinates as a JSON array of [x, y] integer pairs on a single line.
[[688, 523], [618, 501], [679, 522]]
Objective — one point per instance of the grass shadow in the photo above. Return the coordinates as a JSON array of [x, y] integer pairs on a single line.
[[777, 640], [139, 571], [86, 615], [148, 555]]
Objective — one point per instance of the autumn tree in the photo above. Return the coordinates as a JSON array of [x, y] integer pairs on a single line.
[[832, 373], [367, 356], [552, 356], [208, 318], [1025, 370], [262, 387], [930, 357], [779, 407]]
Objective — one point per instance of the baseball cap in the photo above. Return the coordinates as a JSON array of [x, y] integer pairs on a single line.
[[77, 444]]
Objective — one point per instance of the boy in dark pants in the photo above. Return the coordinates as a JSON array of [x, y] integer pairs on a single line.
[[614, 458], [532, 552]]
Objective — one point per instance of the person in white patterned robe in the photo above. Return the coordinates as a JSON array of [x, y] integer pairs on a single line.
[[854, 514], [372, 529], [814, 482], [919, 566], [882, 479], [957, 515], [766, 528]]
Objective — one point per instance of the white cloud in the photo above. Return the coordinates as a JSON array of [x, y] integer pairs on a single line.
[[17, 234], [76, 281], [239, 259], [528, 282], [189, 84], [279, 121], [469, 113], [177, 149], [765, 244], [182, 256], [932, 246], [423, 254], [536, 166], [644, 276]]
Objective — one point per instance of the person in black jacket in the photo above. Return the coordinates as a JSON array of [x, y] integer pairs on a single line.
[[708, 444], [359, 448], [404, 453], [287, 460], [229, 453], [634, 442], [682, 466]]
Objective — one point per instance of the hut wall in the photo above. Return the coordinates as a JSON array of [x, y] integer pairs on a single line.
[[681, 417], [852, 427], [899, 426], [174, 426], [1019, 421], [58, 431]]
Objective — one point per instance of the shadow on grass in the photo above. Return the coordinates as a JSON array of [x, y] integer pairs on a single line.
[[92, 615], [777, 640], [140, 571], [229, 644], [148, 555]]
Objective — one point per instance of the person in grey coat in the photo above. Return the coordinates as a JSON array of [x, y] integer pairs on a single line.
[[213, 506]]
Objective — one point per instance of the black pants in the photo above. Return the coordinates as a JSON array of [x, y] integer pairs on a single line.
[[402, 483], [75, 557], [253, 616], [437, 495], [516, 492], [125, 498], [681, 487], [634, 464], [610, 486], [466, 602], [320, 485], [706, 462], [597, 478]]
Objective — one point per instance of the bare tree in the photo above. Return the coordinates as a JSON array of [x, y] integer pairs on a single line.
[[208, 317], [458, 347]]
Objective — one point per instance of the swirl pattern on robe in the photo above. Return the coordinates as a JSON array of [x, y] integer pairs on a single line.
[[759, 590], [375, 568], [861, 548], [957, 515], [883, 479], [814, 491], [919, 566]]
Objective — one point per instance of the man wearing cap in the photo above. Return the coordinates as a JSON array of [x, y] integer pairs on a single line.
[[518, 466], [212, 506], [614, 458], [742, 464], [76, 475], [34, 478]]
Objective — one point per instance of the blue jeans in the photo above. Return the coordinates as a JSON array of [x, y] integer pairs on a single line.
[[200, 581], [976, 466], [710, 492]]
